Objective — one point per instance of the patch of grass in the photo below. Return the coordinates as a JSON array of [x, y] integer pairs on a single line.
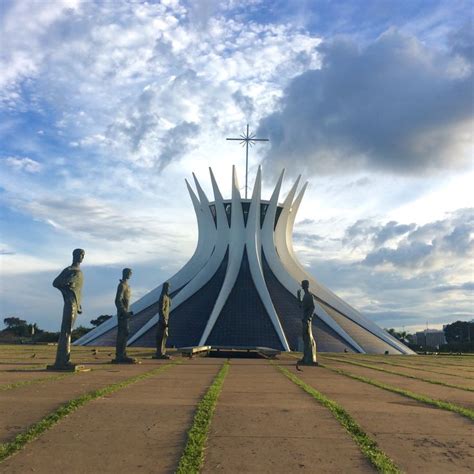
[[366, 444], [192, 458], [35, 430], [407, 393], [10, 386], [394, 372]]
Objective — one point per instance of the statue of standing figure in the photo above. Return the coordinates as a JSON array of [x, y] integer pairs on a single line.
[[122, 302], [164, 305], [69, 283], [307, 303]]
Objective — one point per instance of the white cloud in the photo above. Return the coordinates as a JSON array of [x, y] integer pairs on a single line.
[[20, 163], [15, 263], [410, 249], [23, 53]]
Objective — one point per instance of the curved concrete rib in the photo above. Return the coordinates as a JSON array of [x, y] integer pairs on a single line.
[[269, 221], [236, 252], [282, 230], [276, 266], [213, 263], [221, 217], [291, 221], [204, 248], [253, 244]]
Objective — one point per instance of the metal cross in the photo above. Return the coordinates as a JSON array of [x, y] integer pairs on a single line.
[[246, 140]]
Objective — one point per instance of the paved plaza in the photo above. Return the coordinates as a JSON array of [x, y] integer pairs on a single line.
[[417, 409]]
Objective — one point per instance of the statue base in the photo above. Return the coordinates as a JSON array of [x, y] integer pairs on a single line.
[[68, 368], [128, 360], [161, 357], [308, 364]]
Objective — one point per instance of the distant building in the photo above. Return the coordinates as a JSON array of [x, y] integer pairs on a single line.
[[430, 338]]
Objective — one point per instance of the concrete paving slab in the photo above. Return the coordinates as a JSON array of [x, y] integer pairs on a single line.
[[141, 428], [443, 374], [448, 394], [464, 364], [417, 437], [263, 423], [23, 406], [14, 375]]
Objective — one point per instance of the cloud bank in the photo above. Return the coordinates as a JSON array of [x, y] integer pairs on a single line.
[[399, 274], [394, 105]]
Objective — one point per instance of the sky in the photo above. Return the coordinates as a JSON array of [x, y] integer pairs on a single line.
[[107, 107]]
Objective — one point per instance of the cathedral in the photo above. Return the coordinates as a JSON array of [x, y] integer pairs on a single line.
[[239, 288]]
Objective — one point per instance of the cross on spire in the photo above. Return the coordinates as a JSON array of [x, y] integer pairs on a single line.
[[245, 140]]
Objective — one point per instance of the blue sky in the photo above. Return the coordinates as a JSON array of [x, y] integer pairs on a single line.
[[106, 107]]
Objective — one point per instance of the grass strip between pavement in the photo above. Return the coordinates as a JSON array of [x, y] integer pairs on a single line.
[[407, 393], [461, 368], [412, 367], [11, 386], [35, 430], [435, 362], [366, 444], [401, 374], [25, 368], [192, 458]]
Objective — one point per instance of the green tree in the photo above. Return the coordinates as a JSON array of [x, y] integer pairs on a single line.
[[459, 331], [17, 326], [13, 322], [400, 335]]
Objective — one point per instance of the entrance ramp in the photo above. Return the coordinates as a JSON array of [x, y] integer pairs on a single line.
[[229, 351]]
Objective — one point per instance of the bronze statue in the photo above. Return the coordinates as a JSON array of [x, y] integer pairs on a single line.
[[69, 283], [307, 303], [122, 301], [164, 305]]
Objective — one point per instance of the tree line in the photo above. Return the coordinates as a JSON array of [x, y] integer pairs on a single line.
[[19, 330]]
